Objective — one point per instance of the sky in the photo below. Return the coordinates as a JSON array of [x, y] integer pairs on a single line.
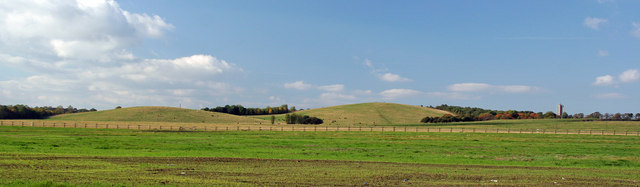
[[502, 55]]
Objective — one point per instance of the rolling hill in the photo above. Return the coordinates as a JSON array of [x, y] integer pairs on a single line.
[[157, 114], [371, 114]]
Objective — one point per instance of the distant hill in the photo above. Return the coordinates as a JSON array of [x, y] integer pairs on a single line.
[[373, 113], [157, 114]]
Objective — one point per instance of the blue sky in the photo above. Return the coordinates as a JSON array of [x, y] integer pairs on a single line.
[[522, 55]]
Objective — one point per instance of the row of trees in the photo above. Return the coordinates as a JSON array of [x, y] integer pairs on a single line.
[[479, 114], [240, 110], [301, 119], [26, 112], [447, 118], [610, 117]]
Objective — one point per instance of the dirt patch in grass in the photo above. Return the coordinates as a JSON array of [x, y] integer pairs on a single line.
[[286, 172]]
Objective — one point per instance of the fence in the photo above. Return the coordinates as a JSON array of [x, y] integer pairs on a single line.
[[312, 128]]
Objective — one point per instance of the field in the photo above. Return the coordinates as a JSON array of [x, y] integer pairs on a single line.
[[560, 124], [42, 155], [157, 114], [365, 114]]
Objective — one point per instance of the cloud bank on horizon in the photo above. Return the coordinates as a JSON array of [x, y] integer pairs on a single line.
[[96, 54]]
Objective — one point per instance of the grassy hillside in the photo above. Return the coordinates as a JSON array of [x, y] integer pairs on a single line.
[[157, 114], [370, 114]]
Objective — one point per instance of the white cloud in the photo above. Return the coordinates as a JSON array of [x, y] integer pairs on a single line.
[[630, 75], [605, 1], [603, 53], [610, 96], [390, 77], [78, 53], [74, 31], [383, 74], [398, 93], [483, 87], [298, 85], [367, 63], [594, 23], [453, 95], [604, 80], [363, 92], [336, 96], [636, 29], [469, 87], [332, 88]]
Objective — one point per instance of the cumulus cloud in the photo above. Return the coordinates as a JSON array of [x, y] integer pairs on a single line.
[[332, 88], [298, 85], [78, 51], [629, 76], [390, 77], [604, 80], [453, 95], [383, 74], [399, 93], [594, 23], [483, 87], [636, 29], [83, 31], [336, 96]]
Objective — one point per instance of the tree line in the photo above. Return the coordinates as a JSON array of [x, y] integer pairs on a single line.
[[480, 114], [26, 112], [240, 110]]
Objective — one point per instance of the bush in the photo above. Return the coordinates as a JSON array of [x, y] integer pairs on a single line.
[[302, 119]]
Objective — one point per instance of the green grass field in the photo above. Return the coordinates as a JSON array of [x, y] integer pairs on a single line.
[[158, 114], [365, 114], [572, 124], [36, 155]]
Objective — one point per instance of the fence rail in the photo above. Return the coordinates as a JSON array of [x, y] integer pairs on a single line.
[[312, 128]]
